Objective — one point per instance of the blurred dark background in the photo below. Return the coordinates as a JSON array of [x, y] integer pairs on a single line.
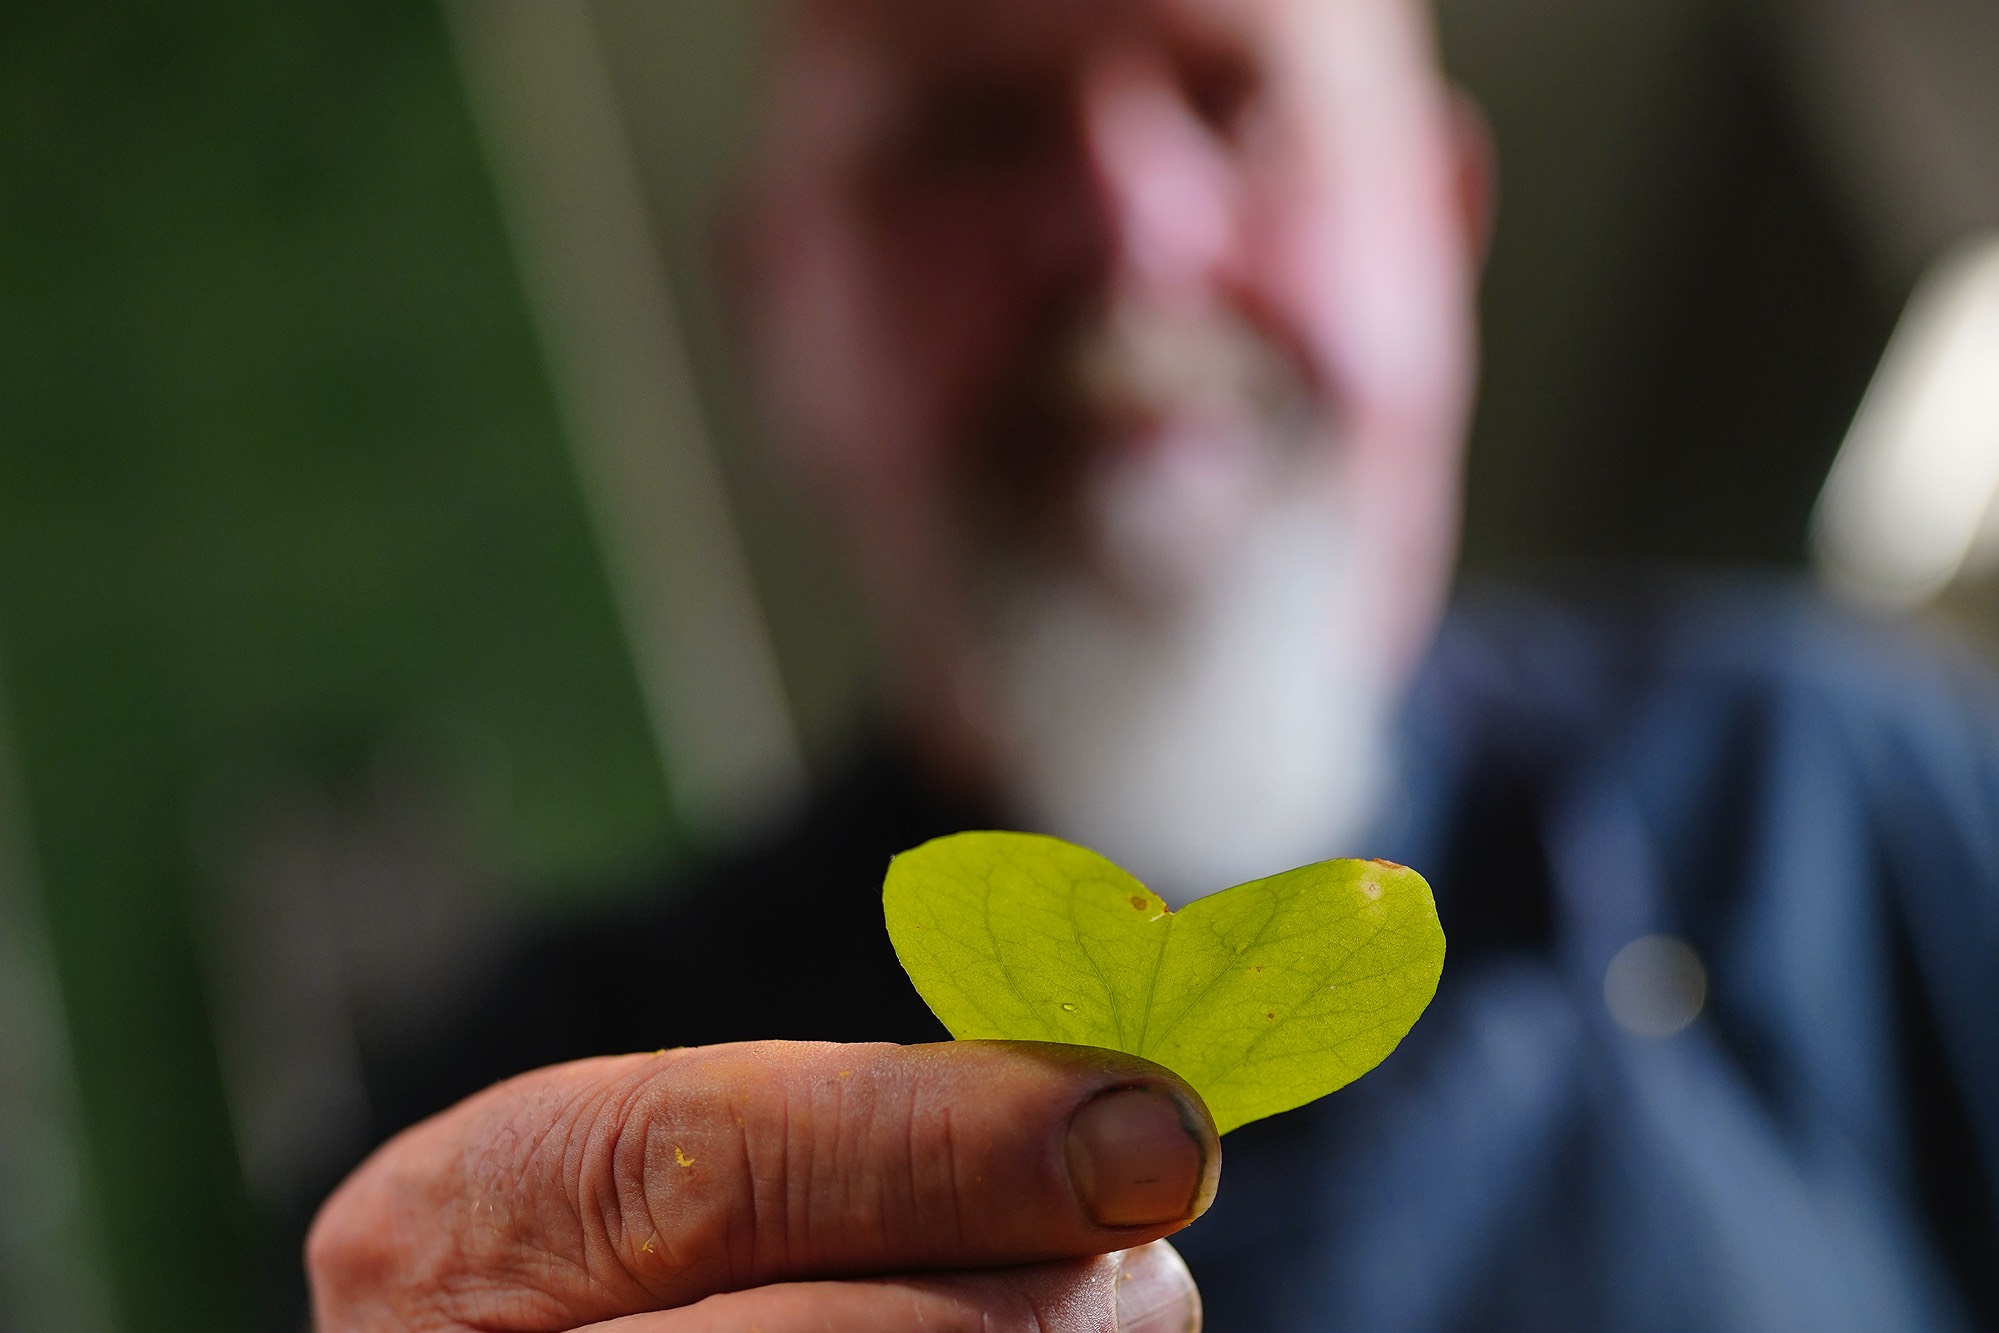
[[386, 559]]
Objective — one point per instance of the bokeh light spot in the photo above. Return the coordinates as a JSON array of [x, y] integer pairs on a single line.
[[1656, 986]]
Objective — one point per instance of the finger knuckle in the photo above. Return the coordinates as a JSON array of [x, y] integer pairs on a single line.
[[359, 1264], [591, 1223], [662, 1184], [799, 1166], [342, 1257]]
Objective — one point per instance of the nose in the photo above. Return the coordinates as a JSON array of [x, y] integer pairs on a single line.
[[1162, 179]]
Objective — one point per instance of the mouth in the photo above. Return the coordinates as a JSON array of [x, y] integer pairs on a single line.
[[1138, 363], [1144, 453]]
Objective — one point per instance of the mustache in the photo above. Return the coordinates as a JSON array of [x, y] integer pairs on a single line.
[[1100, 385], [1137, 360]]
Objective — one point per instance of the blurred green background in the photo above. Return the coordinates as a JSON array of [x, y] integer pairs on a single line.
[[281, 484]]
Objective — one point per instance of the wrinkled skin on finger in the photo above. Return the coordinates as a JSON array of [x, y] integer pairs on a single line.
[[635, 1184]]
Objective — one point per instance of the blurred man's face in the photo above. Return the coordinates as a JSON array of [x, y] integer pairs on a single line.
[[1130, 340]]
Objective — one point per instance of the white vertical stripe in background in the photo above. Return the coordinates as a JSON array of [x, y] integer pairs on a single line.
[[1909, 505], [53, 1277], [601, 297]]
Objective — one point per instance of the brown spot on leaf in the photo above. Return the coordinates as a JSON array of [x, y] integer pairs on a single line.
[[1138, 902], [1387, 865]]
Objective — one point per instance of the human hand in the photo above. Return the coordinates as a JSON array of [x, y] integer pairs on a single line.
[[783, 1186]]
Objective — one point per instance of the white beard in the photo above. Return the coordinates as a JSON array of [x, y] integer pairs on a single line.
[[1232, 729]]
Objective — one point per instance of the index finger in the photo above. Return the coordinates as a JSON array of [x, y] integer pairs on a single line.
[[617, 1186]]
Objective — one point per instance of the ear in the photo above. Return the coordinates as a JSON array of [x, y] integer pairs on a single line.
[[1477, 173]]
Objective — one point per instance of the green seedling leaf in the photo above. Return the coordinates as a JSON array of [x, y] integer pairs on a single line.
[[1263, 997]]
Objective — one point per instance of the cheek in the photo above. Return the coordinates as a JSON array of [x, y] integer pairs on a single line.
[[1358, 243], [1379, 299], [882, 351], [856, 365], [1368, 289], [959, 301]]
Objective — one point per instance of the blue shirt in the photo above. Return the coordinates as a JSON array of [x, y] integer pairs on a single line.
[[1809, 804], [1813, 807]]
